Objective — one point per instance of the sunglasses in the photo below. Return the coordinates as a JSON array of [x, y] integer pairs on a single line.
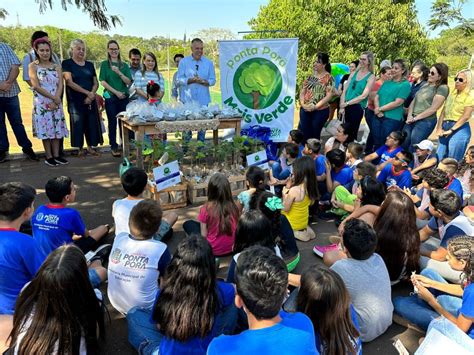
[[461, 80], [432, 73]]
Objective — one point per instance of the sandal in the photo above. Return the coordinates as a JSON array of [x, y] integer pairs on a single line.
[[93, 152], [82, 153]]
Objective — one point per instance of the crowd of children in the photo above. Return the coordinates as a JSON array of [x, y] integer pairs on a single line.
[[393, 221]]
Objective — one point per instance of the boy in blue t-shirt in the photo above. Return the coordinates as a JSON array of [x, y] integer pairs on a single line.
[[56, 224], [297, 137], [313, 149], [450, 166], [261, 283], [20, 256], [337, 172], [396, 173]]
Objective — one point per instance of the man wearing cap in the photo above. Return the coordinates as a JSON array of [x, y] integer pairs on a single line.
[[424, 158]]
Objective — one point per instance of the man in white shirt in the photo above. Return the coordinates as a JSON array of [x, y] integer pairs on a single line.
[[195, 75]]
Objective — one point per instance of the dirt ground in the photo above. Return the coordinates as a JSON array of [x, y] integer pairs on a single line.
[[98, 185]]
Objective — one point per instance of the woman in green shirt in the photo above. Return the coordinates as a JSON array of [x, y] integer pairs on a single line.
[[421, 119], [115, 77], [355, 94], [389, 104]]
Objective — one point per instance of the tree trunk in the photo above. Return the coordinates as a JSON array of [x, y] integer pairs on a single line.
[[256, 96]]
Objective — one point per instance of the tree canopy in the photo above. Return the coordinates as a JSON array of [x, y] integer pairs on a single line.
[[344, 29]]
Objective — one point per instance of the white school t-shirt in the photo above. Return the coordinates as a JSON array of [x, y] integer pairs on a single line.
[[121, 212], [134, 268]]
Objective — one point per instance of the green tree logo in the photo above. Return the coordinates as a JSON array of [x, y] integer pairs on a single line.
[[166, 171], [257, 83]]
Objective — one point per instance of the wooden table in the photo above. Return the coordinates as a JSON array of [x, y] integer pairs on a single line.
[[142, 128]]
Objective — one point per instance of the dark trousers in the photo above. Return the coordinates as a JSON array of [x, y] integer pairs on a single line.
[[10, 106], [312, 123], [353, 116], [85, 123], [192, 227], [382, 127], [113, 106]]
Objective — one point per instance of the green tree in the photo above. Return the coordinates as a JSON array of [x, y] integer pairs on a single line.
[[344, 29], [454, 47], [211, 36], [257, 79], [445, 13]]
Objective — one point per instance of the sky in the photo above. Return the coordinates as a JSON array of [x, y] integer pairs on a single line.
[[148, 18]]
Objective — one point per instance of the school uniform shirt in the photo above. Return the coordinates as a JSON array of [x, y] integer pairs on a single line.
[[461, 225], [54, 225], [390, 177], [344, 176], [121, 212], [293, 335], [385, 153], [320, 165], [467, 307], [135, 266], [455, 185], [20, 259]]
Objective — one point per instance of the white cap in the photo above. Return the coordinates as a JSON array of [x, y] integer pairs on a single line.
[[385, 63], [425, 145]]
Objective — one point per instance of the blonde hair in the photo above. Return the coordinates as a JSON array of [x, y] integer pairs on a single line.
[[73, 44], [370, 57], [468, 73]]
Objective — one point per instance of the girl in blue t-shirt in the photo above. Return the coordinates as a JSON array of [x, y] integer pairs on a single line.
[[385, 153], [255, 180], [323, 297], [192, 307]]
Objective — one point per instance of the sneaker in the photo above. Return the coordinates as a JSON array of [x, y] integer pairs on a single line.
[[3, 156], [30, 154], [116, 153], [305, 235], [101, 253], [319, 250], [61, 161], [51, 162]]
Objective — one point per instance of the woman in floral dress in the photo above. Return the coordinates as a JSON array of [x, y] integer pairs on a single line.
[[49, 124], [315, 95]]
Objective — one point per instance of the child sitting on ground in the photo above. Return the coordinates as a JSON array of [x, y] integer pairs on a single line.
[[366, 278], [423, 160], [396, 173], [313, 150], [354, 154], [387, 152], [56, 224], [20, 255], [337, 172], [137, 260], [218, 217], [449, 222], [261, 284], [255, 180], [300, 192], [282, 169], [134, 182], [297, 137], [450, 166]]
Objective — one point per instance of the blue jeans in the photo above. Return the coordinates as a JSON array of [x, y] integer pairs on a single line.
[[279, 173], [113, 106], [382, 127], [10, 106], [369, 119], [418, 131], [353, 116], [201, 136], [418, 311], [312, 123], [454, 145]]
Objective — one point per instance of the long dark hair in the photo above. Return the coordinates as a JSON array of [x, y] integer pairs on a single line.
[[188, 300], [220, 204], [464, 166], [323, 297], [253, 229], [398, 238], [373, 191], [323, 58], [60, 306], [255, 176], [443, 71], [304, 173], [257, 202]]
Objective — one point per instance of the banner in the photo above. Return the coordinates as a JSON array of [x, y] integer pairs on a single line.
[[258, 78]]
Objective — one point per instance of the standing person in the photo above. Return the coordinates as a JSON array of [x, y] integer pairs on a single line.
[[195, 75], [134, 57], [10, 105], [115, 77], [49, 124], [419, 76], [30, 56], [389, 104], [149, 72], [354, 96], [453, 127], [385, 75], [352, 68], [317, 91], [81, 86], [176, 90], [421, 119]]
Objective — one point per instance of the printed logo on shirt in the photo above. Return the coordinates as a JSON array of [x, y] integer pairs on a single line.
[[115, 256], [48, 218], [130, 261], [39, 217]]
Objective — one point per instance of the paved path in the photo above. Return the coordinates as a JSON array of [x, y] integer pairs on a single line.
[[98, 185]]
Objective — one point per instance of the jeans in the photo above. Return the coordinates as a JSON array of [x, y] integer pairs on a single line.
[[201, 136], [85, 122], [312, 123], [418, 311], [369, 118], [113, 106], [10, 106], [353, 116], [144, 336], [278, 172], [382, 127], [454, 145], [418, 131]]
